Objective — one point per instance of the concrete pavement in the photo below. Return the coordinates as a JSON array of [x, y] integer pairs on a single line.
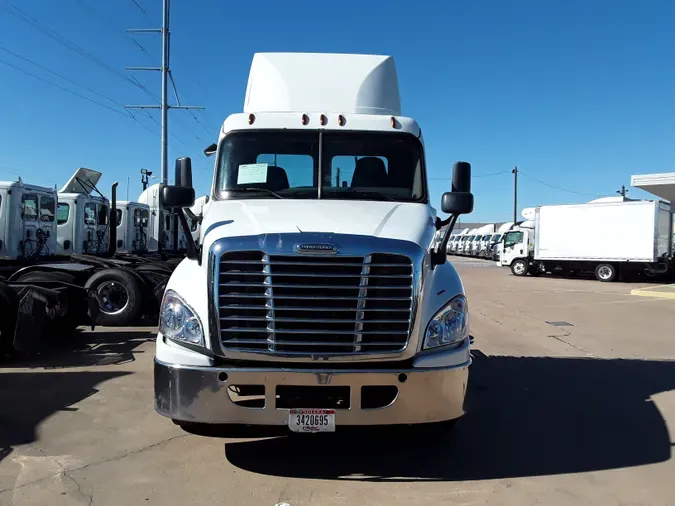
[[572, 395]]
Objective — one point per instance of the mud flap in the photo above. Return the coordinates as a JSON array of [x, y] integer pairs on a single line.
[[93, 307], [30, 321]]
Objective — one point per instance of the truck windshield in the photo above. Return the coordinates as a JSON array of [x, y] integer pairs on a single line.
[[353, 166], [512, 238]]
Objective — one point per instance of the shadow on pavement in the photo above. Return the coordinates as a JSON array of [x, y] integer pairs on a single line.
[[86, 349], [525, 417], [28, 398]]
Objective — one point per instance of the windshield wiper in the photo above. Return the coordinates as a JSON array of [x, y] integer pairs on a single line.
[[259, 190], [367, 194]]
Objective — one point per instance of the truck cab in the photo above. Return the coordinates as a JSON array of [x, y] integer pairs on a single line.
[[518, 244], [484, 244], [27, 220], [132, 220], [170, 237], [83, 218], [316, 297]]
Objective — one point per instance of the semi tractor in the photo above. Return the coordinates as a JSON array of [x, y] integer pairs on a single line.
[[317, 297], [40, 236], [606, 238]]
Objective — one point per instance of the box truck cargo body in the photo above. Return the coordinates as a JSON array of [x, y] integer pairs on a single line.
[[603, 237]]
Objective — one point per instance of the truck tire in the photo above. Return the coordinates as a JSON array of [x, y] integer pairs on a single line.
[[519, 267], [119, 295], [605, 272], [64, 325], [9, 305]]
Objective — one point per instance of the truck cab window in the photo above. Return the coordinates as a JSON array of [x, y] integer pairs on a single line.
[[369, 164], [299, 169], [145, 217], [29, 207], [90, 214], [343, 167], [118, 217], [62, 213], [47, 209], [512, 238], [354, 165], [102, 214]]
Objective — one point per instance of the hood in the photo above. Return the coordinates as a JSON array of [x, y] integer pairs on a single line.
[[82, 181], [390, 220]]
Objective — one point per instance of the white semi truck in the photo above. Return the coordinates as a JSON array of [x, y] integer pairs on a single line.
[[172, 236], [605, 238], [316, 298], [57, 266]]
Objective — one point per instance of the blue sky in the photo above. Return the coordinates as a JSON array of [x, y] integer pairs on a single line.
[[579, 94]]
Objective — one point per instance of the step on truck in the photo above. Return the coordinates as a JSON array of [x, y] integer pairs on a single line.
[[605, 238], [317, 297]]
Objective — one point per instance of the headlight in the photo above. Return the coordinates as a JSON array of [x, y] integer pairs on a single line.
[[178, 321], [450, 325]]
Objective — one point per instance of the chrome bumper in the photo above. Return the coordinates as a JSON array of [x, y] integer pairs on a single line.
[[200, 394]]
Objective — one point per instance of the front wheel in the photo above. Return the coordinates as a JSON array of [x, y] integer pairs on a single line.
[[605, 272], [119, 295], [519, 267]]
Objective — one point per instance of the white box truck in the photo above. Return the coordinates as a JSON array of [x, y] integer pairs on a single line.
[[606, 238], [318, 296]]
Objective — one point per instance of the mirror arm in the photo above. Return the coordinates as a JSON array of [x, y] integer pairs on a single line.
[[439, 255], [439, 223], [193, 216], [191, 248]]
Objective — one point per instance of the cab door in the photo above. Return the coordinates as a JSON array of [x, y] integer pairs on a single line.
[[513, 247]]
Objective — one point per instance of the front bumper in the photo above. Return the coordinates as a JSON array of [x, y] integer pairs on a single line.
[[200, 394]]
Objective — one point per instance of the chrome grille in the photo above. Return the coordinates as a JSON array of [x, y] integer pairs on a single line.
[[305, 305]]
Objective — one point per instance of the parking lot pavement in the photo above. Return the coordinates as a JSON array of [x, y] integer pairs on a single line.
[[574, 411]]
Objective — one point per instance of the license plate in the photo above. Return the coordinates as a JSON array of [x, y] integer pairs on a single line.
[[311, 420]]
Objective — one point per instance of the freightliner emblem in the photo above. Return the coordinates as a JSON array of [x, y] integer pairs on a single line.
[[316, 249]]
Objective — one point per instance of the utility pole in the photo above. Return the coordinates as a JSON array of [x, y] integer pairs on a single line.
[[164, 105], [622, 191], [515, 194], [337, 178]]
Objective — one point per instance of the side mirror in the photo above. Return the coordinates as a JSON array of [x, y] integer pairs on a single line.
[[178, 196], [461, 177], [456, 203], [211, 150], [460, 199], [184, 172]]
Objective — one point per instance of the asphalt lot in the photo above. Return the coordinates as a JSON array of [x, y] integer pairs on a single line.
[[571, 398]]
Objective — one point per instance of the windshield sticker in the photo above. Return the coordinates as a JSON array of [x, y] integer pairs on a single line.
[[251, 173]]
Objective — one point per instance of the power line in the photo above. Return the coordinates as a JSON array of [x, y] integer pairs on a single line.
[[140, 7], [189, 111], [557, 187], [473, 176], [492, 174], [104, 22], [59, 75], [125, 114], [52, 34]]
